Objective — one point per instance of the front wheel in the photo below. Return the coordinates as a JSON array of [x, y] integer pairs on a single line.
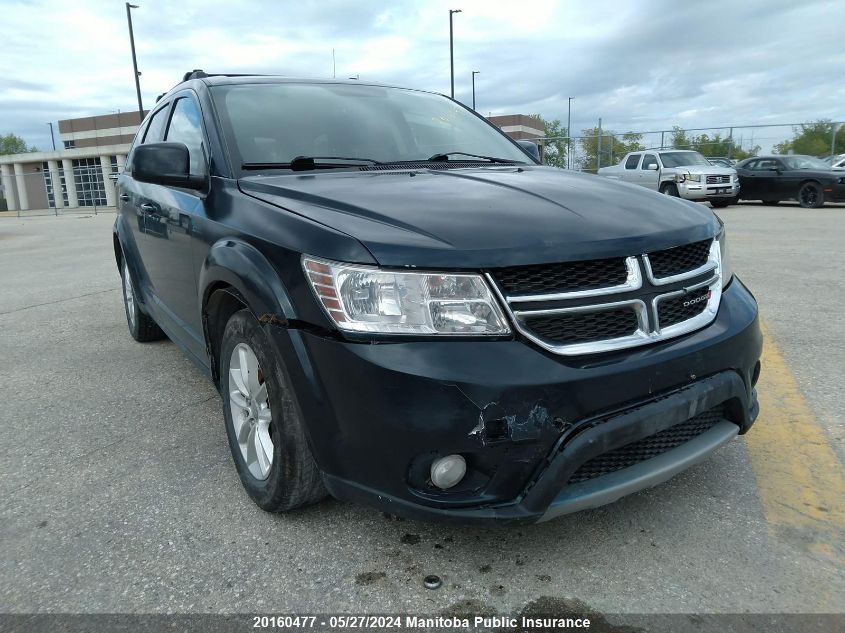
[[810, 195], [263, 421], [670, 190]]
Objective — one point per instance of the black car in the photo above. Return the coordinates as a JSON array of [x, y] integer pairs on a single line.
[[806, 179], [400, 306]]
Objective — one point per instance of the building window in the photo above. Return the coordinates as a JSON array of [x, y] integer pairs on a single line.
[[50, 188], [88, 177], [70, 144]]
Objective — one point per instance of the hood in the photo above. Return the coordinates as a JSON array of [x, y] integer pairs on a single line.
[[712, 170], [486, 217]]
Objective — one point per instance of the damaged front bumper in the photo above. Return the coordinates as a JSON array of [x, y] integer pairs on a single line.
[[537, 430]]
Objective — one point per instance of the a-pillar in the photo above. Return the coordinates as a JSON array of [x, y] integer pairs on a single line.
[[70, 183], [108, 184], [56, 179], [9, 187], [20, 179]]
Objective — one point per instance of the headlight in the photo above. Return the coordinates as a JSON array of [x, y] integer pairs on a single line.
[[368, 299], [694, 177], [727, 270]]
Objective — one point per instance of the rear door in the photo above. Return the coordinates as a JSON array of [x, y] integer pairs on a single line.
[[629, 169]]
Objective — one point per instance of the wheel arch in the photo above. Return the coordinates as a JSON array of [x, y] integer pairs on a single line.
[[234, 276]]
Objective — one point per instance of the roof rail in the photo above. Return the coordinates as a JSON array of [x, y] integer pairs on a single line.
[[194, 74]]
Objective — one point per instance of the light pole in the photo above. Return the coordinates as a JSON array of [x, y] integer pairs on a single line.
[[129, 7], [474, 73], [52, 138], [568, 133], [452, 51]]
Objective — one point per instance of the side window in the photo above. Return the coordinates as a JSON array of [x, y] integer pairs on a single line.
[[752, 165], [155, 130], [632, 161], [127, 167], [649, 159], [186, 127], [766, 165]]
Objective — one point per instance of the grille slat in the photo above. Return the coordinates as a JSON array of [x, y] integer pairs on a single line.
[[584, 327], [648, 447], [563, 277], [680, 259], [672, 311]]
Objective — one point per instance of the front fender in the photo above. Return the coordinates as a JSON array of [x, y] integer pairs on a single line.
[[238, 264]]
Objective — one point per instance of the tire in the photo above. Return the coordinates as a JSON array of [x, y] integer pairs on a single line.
[[770, 203], [141, 326], [263, 421], [810, 195], [670, 190], [721, 204]]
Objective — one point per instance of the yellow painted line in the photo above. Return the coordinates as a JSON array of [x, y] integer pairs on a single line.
[[800, 479]]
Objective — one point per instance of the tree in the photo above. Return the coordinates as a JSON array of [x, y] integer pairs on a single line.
[[554, 152], [613, 147], [710, 146], [814, 139], [13, 144]]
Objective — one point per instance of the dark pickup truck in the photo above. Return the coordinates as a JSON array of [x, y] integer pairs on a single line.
[[400, 306]]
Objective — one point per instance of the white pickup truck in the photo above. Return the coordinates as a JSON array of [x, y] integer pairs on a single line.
[[681, 173]]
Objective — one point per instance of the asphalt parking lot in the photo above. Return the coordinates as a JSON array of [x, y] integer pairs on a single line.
[[119, 494]]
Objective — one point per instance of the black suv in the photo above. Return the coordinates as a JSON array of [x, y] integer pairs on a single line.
[[400, 306]]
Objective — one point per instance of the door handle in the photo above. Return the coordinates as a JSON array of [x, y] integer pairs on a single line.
[[149, 208], [124, 197]]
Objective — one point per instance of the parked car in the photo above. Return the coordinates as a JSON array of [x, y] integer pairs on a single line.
[[806, 179], [680, 173], [720, 161], [399, 306]]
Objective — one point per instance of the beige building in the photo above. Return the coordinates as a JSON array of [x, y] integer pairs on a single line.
[[77, 175]]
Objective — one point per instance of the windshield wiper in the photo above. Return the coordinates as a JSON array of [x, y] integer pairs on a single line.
[[305, 163], [444, 156]]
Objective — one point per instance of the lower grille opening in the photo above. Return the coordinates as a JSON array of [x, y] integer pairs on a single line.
[[584, 327], [648, 447]]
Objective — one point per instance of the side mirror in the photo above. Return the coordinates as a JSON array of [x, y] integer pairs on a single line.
[[652, 167], [165, 164], [532, 148]]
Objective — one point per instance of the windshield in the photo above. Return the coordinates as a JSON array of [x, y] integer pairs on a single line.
[[804, 162], [274, 123], [683, 159]]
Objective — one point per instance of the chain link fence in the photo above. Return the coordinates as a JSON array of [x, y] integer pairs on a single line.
[[599, 147]]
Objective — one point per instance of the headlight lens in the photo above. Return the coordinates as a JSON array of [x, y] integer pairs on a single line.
[[366, 299], [694, 177], [727, 270]]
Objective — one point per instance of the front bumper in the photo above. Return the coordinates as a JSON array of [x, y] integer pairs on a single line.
[[702, 191], [525, 419]]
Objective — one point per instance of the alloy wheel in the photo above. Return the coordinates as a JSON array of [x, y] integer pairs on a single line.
[[128, 295], [250, 408]]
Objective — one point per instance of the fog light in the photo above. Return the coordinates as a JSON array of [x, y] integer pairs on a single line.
[[448, 471]]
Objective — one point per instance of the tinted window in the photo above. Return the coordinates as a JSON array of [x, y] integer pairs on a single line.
[[155, 130], [632, 161], [186, 127], [765, 164], [649, 160], [274, 123]]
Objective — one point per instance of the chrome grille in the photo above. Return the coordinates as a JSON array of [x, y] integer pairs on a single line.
[[719, 180], [589, 307]]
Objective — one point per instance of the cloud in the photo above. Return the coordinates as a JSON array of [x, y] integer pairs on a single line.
[[636, 64]]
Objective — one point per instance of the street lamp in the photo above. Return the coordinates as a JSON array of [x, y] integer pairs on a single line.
[[568, 132], [129, 7], [474, 73], [452, 50]]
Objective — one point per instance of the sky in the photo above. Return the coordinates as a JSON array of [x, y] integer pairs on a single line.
[[637, 64]]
